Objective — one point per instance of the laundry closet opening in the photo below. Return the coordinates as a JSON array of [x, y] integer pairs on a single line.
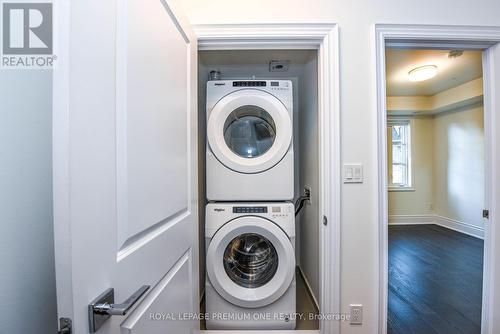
[[259, 162]]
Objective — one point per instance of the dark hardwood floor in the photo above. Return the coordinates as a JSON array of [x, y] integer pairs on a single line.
[[435, 280]]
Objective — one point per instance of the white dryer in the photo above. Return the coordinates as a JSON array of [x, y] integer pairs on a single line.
[[249, 154], [250, 260]]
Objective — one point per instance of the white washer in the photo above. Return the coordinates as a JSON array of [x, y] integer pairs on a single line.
[[249, 152], [250, 258]]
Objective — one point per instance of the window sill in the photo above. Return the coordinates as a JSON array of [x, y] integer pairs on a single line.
[[401, 189]]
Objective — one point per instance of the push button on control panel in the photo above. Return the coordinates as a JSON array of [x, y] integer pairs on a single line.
[[249, 83], [249, 209]]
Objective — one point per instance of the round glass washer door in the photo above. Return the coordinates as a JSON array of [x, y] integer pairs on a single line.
[[250, 262], [249, 131]]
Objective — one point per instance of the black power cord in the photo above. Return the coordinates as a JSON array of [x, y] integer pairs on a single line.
[[299, 203]]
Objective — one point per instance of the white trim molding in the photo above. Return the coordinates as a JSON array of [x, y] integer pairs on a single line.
[[452, 224], [411, 219], [439, 37], [325, 39], [60, 160], [264, 36], [459, 226], [491, 68]]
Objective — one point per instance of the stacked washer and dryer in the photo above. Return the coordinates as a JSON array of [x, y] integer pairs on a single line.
[[250, 220]]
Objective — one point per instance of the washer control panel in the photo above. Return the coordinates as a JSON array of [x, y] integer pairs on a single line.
[[281, 213], [274, 211]]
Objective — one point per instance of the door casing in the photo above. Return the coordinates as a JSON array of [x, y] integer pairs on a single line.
[[325, 39], [440, 37]]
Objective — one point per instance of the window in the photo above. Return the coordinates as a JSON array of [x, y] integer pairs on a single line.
[[399, 155]]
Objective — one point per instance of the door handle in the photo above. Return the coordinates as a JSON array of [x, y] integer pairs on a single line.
[[119, 309], [103, 307]]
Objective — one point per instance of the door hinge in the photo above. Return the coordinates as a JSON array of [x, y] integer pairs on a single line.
[[486, 214], [65, 326]]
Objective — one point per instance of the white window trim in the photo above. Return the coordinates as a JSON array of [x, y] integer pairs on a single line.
[[410, 187]]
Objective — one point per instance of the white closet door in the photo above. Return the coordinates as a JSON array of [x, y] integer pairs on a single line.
[[125, 163]]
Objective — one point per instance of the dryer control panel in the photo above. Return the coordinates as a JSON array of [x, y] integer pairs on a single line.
[[249, 83], [282, 89]]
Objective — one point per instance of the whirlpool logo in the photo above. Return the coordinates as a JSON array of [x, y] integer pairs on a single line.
[[219, 210], [27, 39]]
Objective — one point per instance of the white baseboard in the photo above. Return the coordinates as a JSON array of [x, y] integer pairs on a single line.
[[411, 219], [452, 224], [459, 226]]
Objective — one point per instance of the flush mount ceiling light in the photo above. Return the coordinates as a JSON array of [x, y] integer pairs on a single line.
[[422, 73]]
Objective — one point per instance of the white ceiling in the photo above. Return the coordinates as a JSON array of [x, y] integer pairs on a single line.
[[452, 72]]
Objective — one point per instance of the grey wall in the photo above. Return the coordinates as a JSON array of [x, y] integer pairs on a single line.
[[202, 121], [309, 175], [27, 280]]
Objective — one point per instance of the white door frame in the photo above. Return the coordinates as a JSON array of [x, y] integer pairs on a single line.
[[425, 36], [325, 39]]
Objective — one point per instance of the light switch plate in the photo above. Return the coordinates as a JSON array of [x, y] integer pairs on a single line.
[[353, 173]]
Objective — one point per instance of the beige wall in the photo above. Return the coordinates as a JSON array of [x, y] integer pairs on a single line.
[[448, 167], [450, 99], [459, 165], [359, 203], [448, 157]]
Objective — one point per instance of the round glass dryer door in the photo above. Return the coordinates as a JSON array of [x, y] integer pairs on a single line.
[[249, 131], [250, 262]]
